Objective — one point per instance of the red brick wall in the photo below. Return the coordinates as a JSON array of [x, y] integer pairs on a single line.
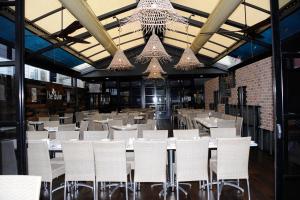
[[210, 86], [257, 77]]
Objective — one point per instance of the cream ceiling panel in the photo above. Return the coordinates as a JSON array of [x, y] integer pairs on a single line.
[[99, 56], [175, 43], [265, 4], [120, 17], [81, 46], [214, 47], [222, 40], [203, 5], [283, 2], [125, 29], [129, 37], [93, 50], [132, 44], [101, 7], [181, 27], [178, 36], [208, 53], [253, 16], [187, 15], [52, 23], [37, 8]]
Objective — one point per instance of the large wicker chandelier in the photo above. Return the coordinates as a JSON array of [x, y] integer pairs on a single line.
[[153, 49], [155, 15], [154, 66], [188, 60], [119, 61], [155, 75]]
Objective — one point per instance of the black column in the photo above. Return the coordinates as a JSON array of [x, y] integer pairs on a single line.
[[278, 97], [19, 59]]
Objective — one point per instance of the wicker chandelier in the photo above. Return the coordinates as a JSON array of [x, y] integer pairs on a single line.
[[155, 75], [154, 66], [155, 15], [153, 49], [119, 61], [188, 60]]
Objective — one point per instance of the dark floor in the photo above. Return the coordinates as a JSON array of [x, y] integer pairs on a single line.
[[261, 170]]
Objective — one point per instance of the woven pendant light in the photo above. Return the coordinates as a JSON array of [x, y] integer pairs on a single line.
[[154, 66]]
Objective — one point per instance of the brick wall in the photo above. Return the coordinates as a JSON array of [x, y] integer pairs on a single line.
[[210, 86], [257, 77]]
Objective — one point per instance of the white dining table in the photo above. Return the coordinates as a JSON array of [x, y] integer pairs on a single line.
[[128, 127], [208, 122]]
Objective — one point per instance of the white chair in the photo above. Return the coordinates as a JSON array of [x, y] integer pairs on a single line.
[[94, 126], [79, 164], [17, 187], [69, 119], [43, 119], [39, 164], [83, 127], [222, 133], [125, 135], [110, 163], [95, 135], [155, 134], [142, 127], [191, 162], [67, 127], [115, 122], [150, 163], [37, 135], [54, 118], [232, 162], [67, 135], [181, 134], [239, 126], [51, 123], [30, 127]]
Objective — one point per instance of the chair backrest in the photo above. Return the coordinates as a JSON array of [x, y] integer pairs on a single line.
[[37, 135], [191, 159], [226, 123], [110, 161], [155, 134], [30, 127], [233, 158], [44, 119], [150, 158], [95, 135], [94, 126], [239, 126], [68, 120], [182, 134], [222, 133], [67, 127], [79, 161], [39, 160], [51, 123], [54, 118], [142, 127], [8, 157], [15, 187], [84, 125], [125, 135], [67, 135]]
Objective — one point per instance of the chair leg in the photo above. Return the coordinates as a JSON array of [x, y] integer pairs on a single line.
[[208, 190], [165, 191], [134, 189], [96, 190], [65, 189], [177, 191], [50, 191], [200, 185], [248, 186], [126, 190], [211, 179], [218, 190]]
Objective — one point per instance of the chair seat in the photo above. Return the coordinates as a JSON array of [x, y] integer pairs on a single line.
[[57, 170], [57, 160]]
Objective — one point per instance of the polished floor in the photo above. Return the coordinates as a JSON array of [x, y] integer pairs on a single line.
[[261, 171]]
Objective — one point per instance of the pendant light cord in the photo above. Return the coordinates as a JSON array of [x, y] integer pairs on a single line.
[[119, 29], [187, 31]]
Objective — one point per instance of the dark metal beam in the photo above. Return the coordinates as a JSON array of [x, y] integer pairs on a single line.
[[256, 7], [205, 15], [47, 14], [7, 3]]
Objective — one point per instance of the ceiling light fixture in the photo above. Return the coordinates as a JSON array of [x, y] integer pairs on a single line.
[[154, 66], [153, 49], [155, 15], [119, 61], [188, 60]]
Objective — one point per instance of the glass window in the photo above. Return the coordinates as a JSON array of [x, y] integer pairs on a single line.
[[64, 80], [80, 83], [3, 51], [36, 73]]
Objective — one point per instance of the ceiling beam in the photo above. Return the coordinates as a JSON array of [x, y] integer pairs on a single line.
[[256, 7], [47, 14]]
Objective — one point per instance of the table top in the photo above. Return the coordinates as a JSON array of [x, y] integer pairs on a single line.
[[103, 121], [55, 145], [138, 117], [128, 127], [64, 117], [35, 122], [208, 122], [55, 129]]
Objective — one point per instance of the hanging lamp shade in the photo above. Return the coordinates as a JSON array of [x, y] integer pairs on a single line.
[[154, 66], [155, 15], [120, 62], [153, 49], [155, 75], [188, 61]]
